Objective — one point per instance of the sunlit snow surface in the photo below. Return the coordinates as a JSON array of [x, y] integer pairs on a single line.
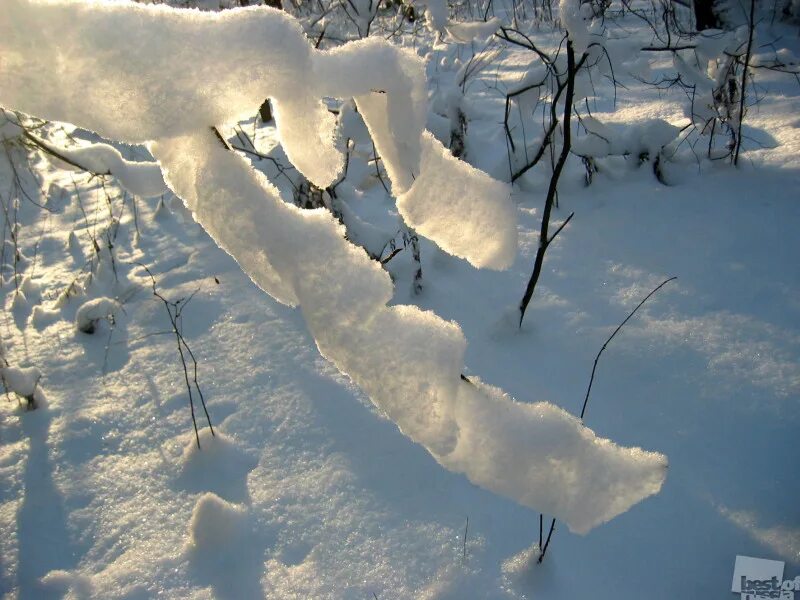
[[305, 492]]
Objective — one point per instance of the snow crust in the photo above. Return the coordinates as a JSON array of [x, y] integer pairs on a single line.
[[191, 70]]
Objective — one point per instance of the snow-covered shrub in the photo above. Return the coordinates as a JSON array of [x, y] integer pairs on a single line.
[[24, 382], [92, 311]]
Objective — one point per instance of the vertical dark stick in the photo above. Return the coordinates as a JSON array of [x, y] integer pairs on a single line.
[[547, 541], [541, 525], [466, 527], [743, 86], [544, 241]]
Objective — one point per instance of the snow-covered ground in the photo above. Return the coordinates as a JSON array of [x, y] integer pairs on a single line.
[[308, 490]]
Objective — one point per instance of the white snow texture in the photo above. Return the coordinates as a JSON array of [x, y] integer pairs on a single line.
[[94, 310], [177, 73], [139, 178]]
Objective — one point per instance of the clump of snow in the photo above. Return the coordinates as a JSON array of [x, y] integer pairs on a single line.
[[692, 74], [464, 32], [575, 17], [437, 13], [92, 311], [23, 381], [647, 137], [140, 178], [218, 465], [71, 585], [536, 454], [43, 316], [351, 125], [461, 226], [543, 457], [215, 524], [163, 90], [123, 91], [30, 287]]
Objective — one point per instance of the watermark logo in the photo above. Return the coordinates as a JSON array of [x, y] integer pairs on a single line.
[[762, 579]]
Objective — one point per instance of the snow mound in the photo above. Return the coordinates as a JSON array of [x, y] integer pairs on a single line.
[[71, 585], [218, 466], [522, 562], [23, 381], [215, 524], [478, 31], [646, 137], [92, 311]]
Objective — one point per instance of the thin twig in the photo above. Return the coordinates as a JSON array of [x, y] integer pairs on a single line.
[[611, 337], [174, 311], [466, 528]]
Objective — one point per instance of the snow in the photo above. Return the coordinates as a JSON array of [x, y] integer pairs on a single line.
[[215, 524], [219, 465], [464, 214], [141, 178], [647, 137], [309, 489], [498, 437], [23, 381], [522, 563], [418, 386], [92, 311], [9, 127], [280, 247], [477, 31], [574, 15], [437, 13], [343, 298], [165, 91]]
